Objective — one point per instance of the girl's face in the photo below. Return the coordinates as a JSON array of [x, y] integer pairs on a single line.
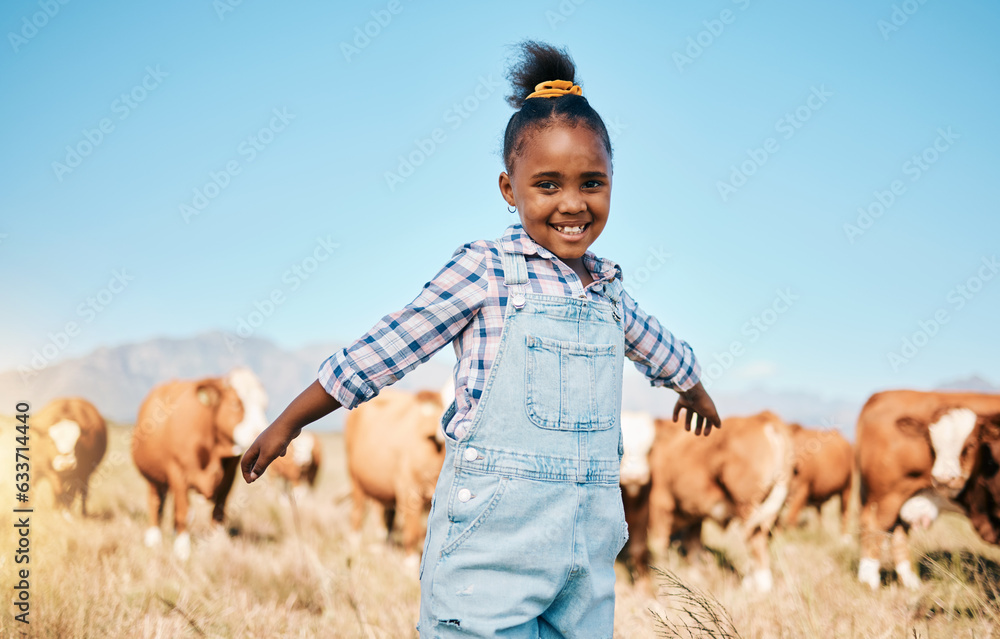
[[561, 186]]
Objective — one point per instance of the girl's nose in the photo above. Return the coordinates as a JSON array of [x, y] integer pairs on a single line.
[[572, 204]]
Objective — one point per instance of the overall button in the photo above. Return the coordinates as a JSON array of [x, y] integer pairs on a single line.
[[464, 495], [517, 299], [471, 454]]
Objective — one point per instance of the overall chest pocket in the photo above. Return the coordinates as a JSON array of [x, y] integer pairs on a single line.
[[569, 385]]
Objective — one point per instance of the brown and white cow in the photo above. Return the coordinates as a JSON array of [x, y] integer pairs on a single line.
[[916, 452], [824, 467], [70, 439], [299, 466], [395, 450], [741, 472], [190, 434], [638, 433]]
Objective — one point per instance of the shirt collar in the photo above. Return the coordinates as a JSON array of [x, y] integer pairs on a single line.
[[516, 240]]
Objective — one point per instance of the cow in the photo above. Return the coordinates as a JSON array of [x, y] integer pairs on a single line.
[[299, 466], [916, 451], [824, 467], [395, 451], [70, 439], [741, 472], [190, 434], [638, 433]]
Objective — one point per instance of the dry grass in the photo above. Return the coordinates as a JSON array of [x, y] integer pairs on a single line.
[[278, 578]]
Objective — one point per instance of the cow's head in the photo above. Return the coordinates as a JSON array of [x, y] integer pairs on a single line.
[[301, 449], [954, 434], [638, 433], [222, 400], [254, 399]]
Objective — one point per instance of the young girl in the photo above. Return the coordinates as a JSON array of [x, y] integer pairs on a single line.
[[527, 515]]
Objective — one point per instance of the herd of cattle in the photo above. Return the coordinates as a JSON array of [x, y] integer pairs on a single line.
[[916, 454]]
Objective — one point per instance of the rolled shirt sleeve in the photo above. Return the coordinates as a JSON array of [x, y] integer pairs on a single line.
[[657, 354], [404, 339]]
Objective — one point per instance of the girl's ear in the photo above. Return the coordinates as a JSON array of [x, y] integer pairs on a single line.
[[506, 188]]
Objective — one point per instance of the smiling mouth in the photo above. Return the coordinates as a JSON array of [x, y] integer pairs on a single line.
[[566, 229]]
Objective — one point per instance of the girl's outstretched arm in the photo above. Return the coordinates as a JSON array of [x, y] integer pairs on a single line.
[[311, 404]]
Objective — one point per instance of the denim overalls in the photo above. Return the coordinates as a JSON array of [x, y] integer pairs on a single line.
[[527, 515]]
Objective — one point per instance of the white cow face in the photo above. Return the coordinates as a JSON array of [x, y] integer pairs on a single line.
[[638, 433], [301, 449], [254, 399], [954, 438], [64, 435]]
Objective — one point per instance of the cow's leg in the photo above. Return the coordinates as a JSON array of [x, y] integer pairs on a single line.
[[410, 503], [758, 576], [845, 513], [311, 473], [66, 497], [358, 503], [155, 500], [877, 519], [661, 508], [84, 491], [796, 501], [901, 558], [179, 489], [690, 542], [637, 518], [388, 519], [229, 467], [871, 539]]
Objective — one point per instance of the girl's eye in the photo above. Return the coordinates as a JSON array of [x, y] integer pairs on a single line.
[[593, 184], [546, 185]]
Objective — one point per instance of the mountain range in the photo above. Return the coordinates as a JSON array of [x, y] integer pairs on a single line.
[[117, 378]]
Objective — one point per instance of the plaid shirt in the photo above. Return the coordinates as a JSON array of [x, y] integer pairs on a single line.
[[465, 303]]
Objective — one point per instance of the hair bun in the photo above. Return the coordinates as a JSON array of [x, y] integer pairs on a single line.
[[535, 63]]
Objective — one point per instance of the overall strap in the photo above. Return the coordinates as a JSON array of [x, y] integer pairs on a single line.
[[515, 270]]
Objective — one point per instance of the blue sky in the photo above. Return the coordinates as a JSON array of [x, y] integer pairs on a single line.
[[221, 155]]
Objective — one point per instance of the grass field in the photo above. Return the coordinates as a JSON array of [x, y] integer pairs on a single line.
[[279, 575]]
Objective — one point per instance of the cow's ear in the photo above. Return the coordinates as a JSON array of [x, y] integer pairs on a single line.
[[796, 427], [208, 392], [911, 426]]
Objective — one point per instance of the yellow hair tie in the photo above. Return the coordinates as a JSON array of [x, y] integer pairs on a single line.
[[555, 88]]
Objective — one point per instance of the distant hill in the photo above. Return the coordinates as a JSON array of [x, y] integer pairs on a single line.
[[116, 379], [973, 383]]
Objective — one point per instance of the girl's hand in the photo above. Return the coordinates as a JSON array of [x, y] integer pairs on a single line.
[[310, 405], [695, 401], [269, 445]]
